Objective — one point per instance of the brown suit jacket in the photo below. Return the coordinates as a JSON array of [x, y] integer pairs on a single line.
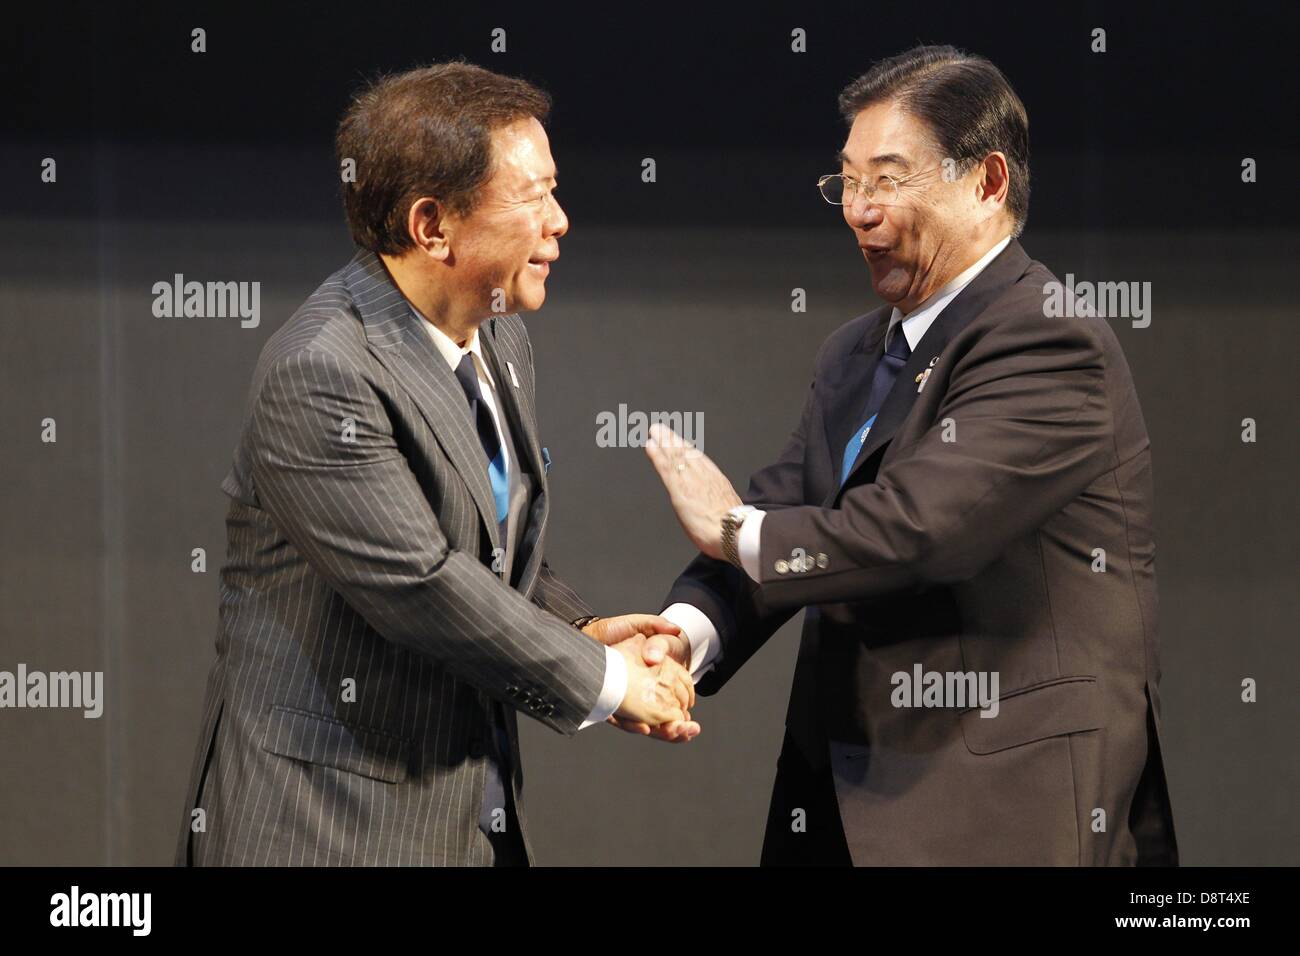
[[966, 539]]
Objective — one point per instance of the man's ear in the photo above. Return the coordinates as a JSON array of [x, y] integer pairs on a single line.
[[428, 223], [993, 183]]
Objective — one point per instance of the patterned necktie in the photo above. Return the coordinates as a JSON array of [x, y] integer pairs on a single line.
[[498, 771], [487, 435], [887, 369]]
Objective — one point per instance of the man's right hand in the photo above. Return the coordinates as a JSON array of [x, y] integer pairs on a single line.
[[659, 695], [674, 646]]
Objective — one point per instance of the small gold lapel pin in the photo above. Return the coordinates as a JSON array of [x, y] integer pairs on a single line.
[[924, 377]]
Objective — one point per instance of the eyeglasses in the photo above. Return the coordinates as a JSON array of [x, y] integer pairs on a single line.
[[840, 190]]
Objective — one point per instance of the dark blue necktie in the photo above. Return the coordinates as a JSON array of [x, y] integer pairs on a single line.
[[487, 435], [887, 369], [498, 771]]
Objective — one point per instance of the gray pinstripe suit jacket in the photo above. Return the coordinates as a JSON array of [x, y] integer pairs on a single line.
[[363, 638]]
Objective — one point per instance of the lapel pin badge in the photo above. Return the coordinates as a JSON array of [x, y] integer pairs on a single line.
[[924, 377]]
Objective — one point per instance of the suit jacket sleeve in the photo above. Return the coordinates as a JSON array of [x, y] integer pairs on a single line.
[[355, 511], [553, 595], [1023, 428], [725, 594]]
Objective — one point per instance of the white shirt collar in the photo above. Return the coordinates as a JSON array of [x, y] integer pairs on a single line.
[[919, 319], [452, 352]]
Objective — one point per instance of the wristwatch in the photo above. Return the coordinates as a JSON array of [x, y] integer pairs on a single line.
[[731, 523]]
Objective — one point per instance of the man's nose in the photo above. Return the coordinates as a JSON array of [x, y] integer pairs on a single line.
[[861, 214], [557, 223]]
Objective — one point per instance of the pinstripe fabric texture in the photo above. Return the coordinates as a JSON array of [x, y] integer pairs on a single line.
[[363, 635]]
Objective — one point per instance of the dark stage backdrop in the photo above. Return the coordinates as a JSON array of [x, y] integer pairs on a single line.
[[217, 165]]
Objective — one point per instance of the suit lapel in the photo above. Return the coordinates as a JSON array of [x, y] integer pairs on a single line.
[[1007, 267], [849, 381], [397, 340], [521, 418], [523, 426]]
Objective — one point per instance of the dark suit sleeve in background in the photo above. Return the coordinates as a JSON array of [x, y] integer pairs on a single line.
[[725, 594]]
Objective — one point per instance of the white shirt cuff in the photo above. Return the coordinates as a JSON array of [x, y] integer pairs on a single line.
[[703, 636], [612, 692], [747, 542]]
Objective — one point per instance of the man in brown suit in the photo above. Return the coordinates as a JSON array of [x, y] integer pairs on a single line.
[[965, 504]]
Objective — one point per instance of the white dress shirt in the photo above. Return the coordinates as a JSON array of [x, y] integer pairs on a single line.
[[614, 688], [705, 646]]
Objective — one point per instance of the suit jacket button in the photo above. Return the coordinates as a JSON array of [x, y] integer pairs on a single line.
[[782, 565]]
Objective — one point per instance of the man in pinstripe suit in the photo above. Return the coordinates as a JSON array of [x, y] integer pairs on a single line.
[[386, 605]]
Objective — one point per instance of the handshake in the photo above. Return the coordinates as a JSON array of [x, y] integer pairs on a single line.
[[660, 692]]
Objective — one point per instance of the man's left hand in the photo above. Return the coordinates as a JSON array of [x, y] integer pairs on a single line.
[[699, 492]]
